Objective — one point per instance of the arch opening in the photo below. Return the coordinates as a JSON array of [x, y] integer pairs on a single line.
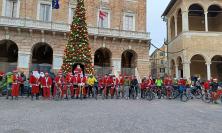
[[42, 56], [173, 69], [198, 67], [179, 22], [196, 18], [8, 55], [214, 18], [102, 61], [180, 67], [128, 62], [216, 67], [172, 27]]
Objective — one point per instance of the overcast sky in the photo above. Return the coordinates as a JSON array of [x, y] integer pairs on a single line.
[[155, 25]]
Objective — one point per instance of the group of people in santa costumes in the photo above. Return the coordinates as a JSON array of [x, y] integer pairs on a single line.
[[40, 81]]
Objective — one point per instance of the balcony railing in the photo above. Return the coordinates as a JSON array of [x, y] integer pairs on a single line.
[[63, 27]]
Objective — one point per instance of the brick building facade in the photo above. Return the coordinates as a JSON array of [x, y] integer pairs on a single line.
[[33, 35]]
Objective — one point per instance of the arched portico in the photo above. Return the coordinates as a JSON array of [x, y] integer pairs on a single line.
[[8, 55], [129, 62], [198, 67], [42, 56], [102, 61]]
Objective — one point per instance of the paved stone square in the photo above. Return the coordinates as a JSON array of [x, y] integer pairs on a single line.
[[109, 116]]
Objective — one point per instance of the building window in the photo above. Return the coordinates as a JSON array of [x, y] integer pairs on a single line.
[[161, 62], [45, 14], [161, 53], [104, 19], [72, 13], [11, 8], [129, 22], [162, 70]]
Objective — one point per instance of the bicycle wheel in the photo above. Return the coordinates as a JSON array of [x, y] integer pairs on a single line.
[[184, 98], [206, 98], [198, 94], [175, 94], [149, 96]]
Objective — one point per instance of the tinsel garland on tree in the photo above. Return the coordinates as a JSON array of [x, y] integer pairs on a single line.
[[77, 49]]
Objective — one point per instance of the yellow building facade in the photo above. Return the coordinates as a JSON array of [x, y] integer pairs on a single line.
[[195, 38]]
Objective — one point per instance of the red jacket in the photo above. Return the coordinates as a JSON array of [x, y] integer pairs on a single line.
[[107, 81], [121, 80], [46, 82], [68, 79], [74, 80], [182, 82], [16, 79], [206, 85], [33, 80], [81, 79], [59, 80], [168, 82]]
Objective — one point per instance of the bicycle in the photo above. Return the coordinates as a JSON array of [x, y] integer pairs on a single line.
[[210, 96], [196, 92], [58, 94], [180, 92], [133, 92], [149, 94]]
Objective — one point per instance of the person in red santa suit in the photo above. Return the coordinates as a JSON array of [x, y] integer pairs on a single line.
[[68, 85], [59, 81], [81, 80], [16, 81], [75, 86], [168, 83], [78, 70], [34, 82], [46, 83], [115, 87], [100, 84], [107, 85]]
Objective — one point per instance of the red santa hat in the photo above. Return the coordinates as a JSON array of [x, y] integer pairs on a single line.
[[60, 72], [70, 74], [15, 71], [2, 74]]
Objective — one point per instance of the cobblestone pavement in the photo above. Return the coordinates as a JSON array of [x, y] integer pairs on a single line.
[[109, 116]]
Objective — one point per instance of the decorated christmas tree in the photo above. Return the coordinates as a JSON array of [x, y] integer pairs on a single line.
[[77, 49]]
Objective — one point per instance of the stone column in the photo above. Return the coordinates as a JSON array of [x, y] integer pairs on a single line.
[[208, 71], [185, 21], [175, 18], [186, 70], [206, 21], [177, 71]]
